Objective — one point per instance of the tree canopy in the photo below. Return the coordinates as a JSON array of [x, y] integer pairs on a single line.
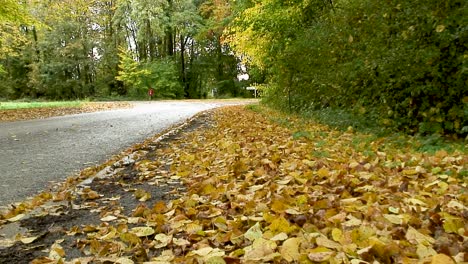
[[84, 48]]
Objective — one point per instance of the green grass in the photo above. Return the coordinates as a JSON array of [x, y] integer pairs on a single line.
[[24, 105]]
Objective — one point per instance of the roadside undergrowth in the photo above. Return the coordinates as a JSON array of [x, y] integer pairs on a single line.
[[265, 188]]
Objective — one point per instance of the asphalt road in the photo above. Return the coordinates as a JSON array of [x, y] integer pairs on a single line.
[[35, 153]]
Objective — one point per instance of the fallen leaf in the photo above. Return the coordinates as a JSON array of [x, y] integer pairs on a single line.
[[290, 249], [142, 231], [16, 218], [261, 250], [325, 242], [280, 237], [320, 254], [28, 240], [415, 237], [442, 259], [109, 218], [162, 240], [254, 232], [394, 219]]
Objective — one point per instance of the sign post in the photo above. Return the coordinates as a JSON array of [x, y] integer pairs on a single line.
[[151, 93], [253, 88]]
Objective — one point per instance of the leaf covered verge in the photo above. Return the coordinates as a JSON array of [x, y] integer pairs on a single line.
[[27, 111], [261, 192]]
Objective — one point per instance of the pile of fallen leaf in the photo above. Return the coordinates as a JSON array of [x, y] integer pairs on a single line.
[[45, 112], [261, 192]]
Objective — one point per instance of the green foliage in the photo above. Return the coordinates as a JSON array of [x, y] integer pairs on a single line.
[[164, 79], [13, 11], [67, 50], [132, 74], [401, 62], [160, 75]]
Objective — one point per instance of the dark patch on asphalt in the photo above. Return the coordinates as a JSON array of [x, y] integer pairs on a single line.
[[48, 229]]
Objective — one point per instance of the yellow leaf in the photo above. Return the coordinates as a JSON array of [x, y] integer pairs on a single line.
[[193, 228], [207, 253], [133, 220], [410, 172], [56, 252], [130, 238], [337, 234], [280, 225], [309, 163], [180, 242], [453, 204], [142, 195], [215, 260], [320, 254], [142, 231], [424, 251], [323, 172], [325, 242], [280, 237], [167, 256], [162, 240], [292, 211], [278, 206], [354, 164], [28, 240], [91, 195], [254, 232], [261, 250], [290, 249], [361, 235], [415, 237], [108, 218], [442, 259], [453, 224], [415, 201], [353, 221], [440, 28], [16, 218], [112, 232], [124, 260], [394, 219]]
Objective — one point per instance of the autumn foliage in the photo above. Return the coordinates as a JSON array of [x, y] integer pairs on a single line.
[[400, 62], [259, 187]]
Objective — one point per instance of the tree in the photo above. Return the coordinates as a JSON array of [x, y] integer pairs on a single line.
[[161, 75], [71, 49], [400, 62]]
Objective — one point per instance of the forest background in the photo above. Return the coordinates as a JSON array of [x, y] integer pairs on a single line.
[[400, 64]]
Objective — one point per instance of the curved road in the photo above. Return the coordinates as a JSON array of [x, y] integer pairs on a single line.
[[37, 152]]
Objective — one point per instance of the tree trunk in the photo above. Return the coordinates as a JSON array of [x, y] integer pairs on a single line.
[[169, 32], [182, 64]]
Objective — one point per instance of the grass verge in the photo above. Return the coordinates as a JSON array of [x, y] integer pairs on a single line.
[[15, 111], [27, 105], [342, 120]]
